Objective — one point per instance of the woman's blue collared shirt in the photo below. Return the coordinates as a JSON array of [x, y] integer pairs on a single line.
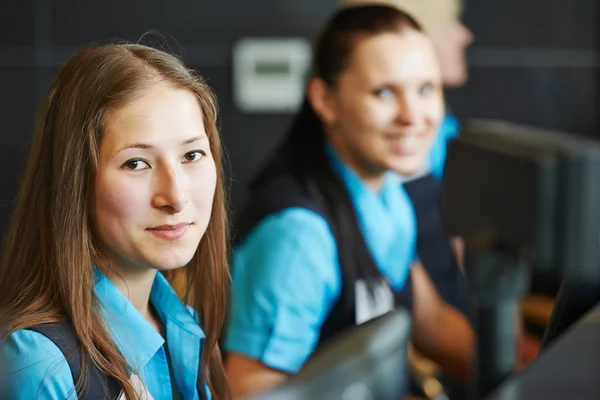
[[286, 273], [38, 369]]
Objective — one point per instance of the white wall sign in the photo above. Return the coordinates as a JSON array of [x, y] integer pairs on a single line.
[[269, 74]]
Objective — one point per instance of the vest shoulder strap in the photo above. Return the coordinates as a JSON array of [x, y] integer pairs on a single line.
[[98, 385], [280, 193]]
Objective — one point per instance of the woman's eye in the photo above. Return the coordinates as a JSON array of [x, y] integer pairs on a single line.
[[135, 164], [383, 92], [194, 156], [426, 89]]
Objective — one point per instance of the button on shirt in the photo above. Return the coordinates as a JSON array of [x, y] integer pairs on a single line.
[[38, 369], [286, 273]]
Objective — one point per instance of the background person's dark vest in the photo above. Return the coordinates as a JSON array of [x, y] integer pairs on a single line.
[[433, 244], [288, 191]]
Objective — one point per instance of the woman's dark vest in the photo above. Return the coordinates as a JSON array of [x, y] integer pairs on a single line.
[[98, 385], [287, 191]]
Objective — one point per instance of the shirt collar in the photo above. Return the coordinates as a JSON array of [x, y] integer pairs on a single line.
[[169, 307], [137, 340], [357, 188]]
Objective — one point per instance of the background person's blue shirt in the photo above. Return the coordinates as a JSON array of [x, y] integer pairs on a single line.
[[286, 273], [437, 155], [38, 369]]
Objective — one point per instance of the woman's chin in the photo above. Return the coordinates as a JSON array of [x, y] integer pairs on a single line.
[[170, 267], [409, 167], [170, 263]]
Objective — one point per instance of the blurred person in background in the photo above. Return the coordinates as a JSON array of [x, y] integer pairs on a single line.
[[327, 240], [440, 254], [122, 192]]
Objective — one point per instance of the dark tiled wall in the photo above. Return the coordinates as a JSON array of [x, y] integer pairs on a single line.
[[511, 77], [534, 62]]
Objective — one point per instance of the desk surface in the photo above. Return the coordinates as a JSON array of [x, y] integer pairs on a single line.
[[568, 369]]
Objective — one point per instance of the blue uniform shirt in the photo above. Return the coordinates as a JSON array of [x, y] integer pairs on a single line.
[[286, 273], [437, 155], [38, 369]]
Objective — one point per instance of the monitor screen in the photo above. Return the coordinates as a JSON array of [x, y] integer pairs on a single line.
[[365, 363], [532, 191], [568, 369]]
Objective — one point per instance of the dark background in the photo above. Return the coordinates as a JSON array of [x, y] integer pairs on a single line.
[[533, 61]]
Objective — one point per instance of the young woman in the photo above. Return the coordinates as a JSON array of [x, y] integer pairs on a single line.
[[327, 240], [122, 194], [440, 255]]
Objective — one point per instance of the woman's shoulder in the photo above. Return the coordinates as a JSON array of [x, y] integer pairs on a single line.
[[293, 235], [36, 367], [294, 223], [292, 246]]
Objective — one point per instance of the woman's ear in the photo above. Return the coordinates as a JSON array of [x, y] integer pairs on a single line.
[[321, 100]]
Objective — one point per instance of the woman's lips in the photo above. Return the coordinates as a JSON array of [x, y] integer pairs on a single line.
[[405, 145], [170, 232]]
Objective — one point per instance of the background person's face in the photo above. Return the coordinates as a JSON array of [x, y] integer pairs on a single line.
[[451, 41], [156, 181], [387, 105]]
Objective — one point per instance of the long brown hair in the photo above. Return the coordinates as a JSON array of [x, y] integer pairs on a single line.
[[46, 272]]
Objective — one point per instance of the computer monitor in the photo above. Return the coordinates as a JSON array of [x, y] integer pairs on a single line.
[[568, 369], [524, 199], [532, 191], [368, 362]]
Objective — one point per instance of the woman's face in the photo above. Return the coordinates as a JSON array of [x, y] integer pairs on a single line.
[[386, 107], [155, 182]]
